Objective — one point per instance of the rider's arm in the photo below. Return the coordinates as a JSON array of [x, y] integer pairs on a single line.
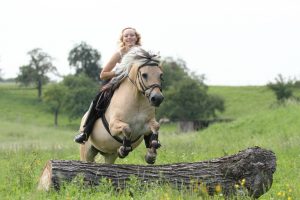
[[107, 72]]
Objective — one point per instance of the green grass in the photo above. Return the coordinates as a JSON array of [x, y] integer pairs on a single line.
[[242, 101], [21, 105], [28, 140]]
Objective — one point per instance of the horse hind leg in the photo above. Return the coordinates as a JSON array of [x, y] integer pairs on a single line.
[[88, 152], [110, 158]]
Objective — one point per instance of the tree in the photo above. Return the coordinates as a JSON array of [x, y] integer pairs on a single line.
[[26, 76], [189, 101], [186, 96], [282, 88], [54, 97], [80, 92], [85, 59], [36, 71], [174, 71]]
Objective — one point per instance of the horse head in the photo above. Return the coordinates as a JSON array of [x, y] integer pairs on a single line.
[[146, 74]]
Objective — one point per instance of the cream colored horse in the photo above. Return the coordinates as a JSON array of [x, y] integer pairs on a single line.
[[131, 113]]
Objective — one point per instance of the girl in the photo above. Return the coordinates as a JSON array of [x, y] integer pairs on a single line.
[[129, 38]]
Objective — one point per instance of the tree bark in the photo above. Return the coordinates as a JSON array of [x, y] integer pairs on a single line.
[[252, 169], [39, 88]]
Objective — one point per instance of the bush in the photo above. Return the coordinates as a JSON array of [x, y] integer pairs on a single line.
[[282, 88]]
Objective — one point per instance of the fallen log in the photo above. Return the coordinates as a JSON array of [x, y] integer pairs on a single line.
[[251, 169]]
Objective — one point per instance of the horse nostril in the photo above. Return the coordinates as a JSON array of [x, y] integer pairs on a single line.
[[156, 99], [153, 99]]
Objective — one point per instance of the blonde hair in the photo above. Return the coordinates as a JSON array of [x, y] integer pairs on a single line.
[[138, 37]]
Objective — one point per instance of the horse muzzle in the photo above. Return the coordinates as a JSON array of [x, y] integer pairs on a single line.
[[156, 99]]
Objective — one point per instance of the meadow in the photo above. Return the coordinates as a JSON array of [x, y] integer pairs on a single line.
[[28, 139]]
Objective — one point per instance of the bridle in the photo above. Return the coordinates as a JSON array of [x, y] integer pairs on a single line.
[[145, 90]]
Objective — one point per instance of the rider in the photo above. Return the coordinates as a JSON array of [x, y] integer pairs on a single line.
[[129, 38]]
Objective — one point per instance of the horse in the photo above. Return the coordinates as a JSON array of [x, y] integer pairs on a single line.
[[130, 115]]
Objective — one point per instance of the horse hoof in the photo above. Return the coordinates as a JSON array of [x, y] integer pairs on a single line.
[[150, 158], [155, 144], [122, 152]]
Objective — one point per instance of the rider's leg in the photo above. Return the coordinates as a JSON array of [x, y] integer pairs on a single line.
[[96, 110], [83, 136]]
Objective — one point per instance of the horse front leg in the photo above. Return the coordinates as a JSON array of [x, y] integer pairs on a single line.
[[151, 142], [118, 127]]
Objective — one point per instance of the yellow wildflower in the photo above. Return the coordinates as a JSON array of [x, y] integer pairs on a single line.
[[218, 188], [279, 193], [243, 182]]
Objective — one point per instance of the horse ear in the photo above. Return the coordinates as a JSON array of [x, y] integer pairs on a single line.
[[158, 54]]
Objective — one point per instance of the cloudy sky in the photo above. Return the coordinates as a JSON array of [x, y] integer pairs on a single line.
[[232, 42]]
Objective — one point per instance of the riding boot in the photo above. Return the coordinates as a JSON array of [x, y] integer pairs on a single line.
[[83, 136]]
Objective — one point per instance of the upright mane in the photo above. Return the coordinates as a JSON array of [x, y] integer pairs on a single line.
[[136, 55]]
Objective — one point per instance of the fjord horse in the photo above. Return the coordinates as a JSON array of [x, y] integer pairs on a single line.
[[130, 116]]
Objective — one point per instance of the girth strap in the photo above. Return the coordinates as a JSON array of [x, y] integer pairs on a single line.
[[105, 123]]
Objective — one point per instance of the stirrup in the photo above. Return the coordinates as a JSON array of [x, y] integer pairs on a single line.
[[81, 138]]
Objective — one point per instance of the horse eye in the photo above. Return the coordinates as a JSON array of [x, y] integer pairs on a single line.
[[162, 77], [145, 76]]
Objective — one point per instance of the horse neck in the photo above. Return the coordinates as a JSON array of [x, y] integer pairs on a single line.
[[127, 101], [129, 88]]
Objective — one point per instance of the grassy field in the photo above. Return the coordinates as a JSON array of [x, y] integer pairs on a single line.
[[28, 140]]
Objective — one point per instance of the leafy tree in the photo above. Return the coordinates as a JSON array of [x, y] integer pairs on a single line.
[[282, 88], [297, 84], [85, 59], [174, 71], [80, 92], [54, 97], [36, 71], [186, 97], [26, 76], [214, 104], [189, 101]]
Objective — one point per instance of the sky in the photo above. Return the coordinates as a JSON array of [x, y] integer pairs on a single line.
[[231, 42]]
